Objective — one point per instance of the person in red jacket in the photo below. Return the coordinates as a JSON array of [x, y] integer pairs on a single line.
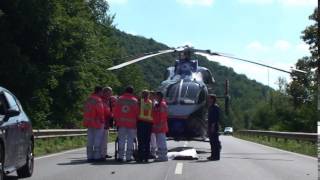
[[160, 126], [94, 119], [125, 115]]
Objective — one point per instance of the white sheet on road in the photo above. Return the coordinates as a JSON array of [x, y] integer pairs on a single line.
[[189, 153]]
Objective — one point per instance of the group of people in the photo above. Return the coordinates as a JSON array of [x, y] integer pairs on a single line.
[[144, 118]]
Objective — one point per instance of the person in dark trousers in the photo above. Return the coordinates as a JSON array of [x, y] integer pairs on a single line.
[[213, 128], [144, 127]]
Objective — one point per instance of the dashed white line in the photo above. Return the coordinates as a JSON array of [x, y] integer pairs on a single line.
[[179, 168]]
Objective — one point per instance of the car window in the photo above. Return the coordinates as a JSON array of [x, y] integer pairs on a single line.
[[2, 105], [11, 101]]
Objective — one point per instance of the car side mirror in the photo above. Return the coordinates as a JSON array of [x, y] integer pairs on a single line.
[[12, 113]]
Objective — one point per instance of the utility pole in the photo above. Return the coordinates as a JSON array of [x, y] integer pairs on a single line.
[[318, 60]]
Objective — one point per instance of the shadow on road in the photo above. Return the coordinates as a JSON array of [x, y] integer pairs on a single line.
[[11, 178], [76, 161]]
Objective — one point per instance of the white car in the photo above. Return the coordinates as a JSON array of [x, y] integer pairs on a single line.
[[228, 130]]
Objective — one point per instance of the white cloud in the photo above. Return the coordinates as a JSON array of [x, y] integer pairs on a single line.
[[119, 2], [303, 47], [282, 45], [256, 46], [298, 2], [196, 2]]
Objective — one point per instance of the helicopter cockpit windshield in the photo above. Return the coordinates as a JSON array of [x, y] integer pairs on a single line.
[[185, 93], [189, 93]]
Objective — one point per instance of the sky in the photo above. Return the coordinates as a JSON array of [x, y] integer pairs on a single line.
[[266, 31]]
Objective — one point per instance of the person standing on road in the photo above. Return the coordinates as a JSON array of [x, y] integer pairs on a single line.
[[153, 142], [144, 126], [107, 92], [94, 119], [125, 115], [160, 126], [213, 128]]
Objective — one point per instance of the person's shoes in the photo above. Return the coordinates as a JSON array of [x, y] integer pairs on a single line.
[[146, 160], [129, 160], [100, 160], [160, 160], [119, 160], [151, 156], [90, 160], [210, 158], [108, 157]]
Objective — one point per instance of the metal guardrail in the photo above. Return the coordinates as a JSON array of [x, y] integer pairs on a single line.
[[312, 137], [54, 133]]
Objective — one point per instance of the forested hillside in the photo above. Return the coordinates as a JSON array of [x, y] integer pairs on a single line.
[[53, 53]]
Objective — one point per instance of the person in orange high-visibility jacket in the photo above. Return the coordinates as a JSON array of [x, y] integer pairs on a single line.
[[144, 126], [125, 115], [94, 119], [160, 126]]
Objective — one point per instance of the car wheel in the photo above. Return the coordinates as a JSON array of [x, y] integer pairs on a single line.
[[1, 163], [27, 169]]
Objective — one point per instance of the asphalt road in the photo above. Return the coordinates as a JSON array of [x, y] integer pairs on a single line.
[[240, 160]]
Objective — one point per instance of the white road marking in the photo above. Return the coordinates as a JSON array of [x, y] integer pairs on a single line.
[[179, 168], [69, 151], [57, 154], [269, 147]]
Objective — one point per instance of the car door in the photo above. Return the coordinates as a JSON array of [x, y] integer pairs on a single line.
[[25, 131], [12, 132]]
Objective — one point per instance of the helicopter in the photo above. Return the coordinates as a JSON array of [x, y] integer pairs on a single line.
[[186, 89]]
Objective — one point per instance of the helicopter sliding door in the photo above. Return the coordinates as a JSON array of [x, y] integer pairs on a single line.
[[208, 79]]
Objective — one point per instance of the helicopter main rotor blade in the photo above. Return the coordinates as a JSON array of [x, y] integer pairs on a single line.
[[199, 52], [140, 59]]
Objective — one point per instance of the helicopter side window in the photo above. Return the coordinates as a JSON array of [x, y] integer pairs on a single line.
[[202, 96], [166, 74], [207, 77], [172, 93]]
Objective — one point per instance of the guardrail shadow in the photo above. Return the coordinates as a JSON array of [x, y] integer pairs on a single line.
[[11, 177]]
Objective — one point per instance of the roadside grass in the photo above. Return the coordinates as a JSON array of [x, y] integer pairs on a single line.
[[54, 145], [302, 147]]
